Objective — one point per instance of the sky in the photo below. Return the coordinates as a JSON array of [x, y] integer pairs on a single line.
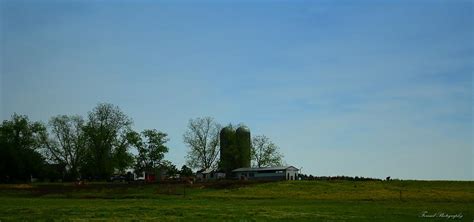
[[356, 88]]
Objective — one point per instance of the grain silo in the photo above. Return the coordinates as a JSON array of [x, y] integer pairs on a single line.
[[235, 149], [227, 150], [242, 136]]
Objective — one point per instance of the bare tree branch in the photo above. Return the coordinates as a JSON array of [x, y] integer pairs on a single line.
[[202, 137], [265, 153]]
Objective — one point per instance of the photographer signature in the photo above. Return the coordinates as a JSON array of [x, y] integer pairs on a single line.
[[426, 214]]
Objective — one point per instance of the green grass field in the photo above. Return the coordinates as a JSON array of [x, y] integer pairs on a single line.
[[276, 201]]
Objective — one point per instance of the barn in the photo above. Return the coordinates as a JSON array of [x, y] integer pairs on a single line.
[[266, 173]]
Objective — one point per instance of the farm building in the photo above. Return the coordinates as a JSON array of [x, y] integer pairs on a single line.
[[267, 173], [209, 174]]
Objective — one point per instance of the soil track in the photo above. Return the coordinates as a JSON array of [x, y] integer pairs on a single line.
[[164, 187]]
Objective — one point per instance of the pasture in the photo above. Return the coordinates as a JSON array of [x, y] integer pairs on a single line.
[[242, 201]]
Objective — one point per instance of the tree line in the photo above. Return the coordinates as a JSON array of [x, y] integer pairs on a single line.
[[98, 146], [338, 178]]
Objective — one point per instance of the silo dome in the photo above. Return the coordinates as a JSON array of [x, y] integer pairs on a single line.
[[243, 129]]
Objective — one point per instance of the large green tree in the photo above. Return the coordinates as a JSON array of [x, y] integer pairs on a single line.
[[186, 171], [265, 153], [151, 149], [202, 138], [67, 146], [122, 158], [169, 168], [20, 142], [107, 145]]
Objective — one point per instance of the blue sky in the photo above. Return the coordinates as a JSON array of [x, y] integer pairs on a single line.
[[357, 88]]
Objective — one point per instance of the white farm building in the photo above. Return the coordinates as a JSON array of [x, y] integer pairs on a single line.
[[266, 173]]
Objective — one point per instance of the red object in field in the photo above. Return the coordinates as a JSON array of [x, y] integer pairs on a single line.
[[150, 178]]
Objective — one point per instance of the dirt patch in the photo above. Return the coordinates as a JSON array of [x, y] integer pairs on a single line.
[[119, 190], [229, 184], [15, 186]]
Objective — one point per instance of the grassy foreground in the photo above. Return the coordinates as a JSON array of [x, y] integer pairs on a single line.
[[224, 201]]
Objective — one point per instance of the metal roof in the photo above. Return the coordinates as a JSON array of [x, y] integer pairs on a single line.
[[205, 171], [264, 169]]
